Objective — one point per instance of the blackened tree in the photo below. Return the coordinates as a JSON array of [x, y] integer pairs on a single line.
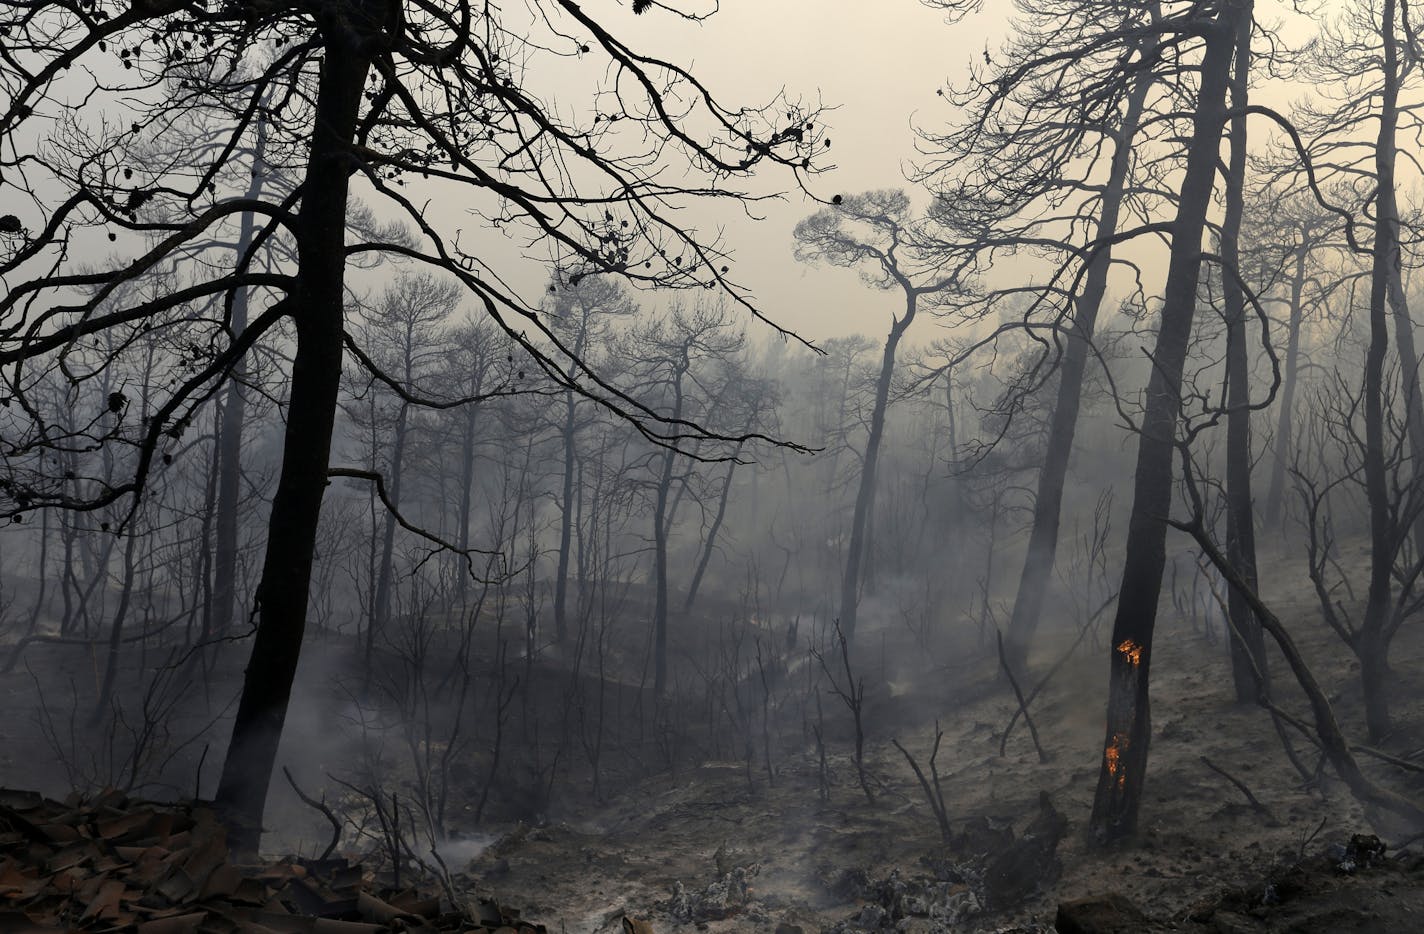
[[1046, 160], [582, 314], [874, 232], [1129, 731]]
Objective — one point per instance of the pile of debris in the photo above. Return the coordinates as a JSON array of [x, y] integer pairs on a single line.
[[1351, 885], [985, 867], [925, 905], [117, 864], [730, 895]]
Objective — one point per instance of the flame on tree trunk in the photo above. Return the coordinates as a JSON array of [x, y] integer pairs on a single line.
[[1129, 724]]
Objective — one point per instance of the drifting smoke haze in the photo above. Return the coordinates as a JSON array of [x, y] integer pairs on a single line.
[[788, 467]]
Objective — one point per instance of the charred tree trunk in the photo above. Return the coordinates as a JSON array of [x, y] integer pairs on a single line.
[[660, 541], [233, 415], [1409, 377], [43, 570], [385, 571], [1048, 503], [1124, 763], [317, 304], [116, 633], [566, 517], [467, 482], [1284, 421], [711, 543], [865, 494], [204, 560], [1248, 642], [566, 521], [1372, 642], [68, 583]]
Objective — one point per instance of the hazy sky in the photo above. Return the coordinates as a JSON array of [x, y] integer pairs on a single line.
[[876, 73], [879, 70]]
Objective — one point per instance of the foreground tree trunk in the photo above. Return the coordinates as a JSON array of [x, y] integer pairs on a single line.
[[1048, 503], [316, 377], [1372, 640], [1248, 643], [1129, 724]]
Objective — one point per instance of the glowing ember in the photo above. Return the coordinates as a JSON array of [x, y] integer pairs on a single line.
[[1113, 755], [1131, 651]]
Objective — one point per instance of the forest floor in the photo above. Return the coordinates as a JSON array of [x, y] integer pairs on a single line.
[[721, 846]]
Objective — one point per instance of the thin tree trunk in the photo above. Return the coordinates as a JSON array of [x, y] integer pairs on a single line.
[[1248, 643], [1284, 419], [660, 543], [1372, 643], [116, 632], [381, 610], [566, 519], [68, 583], [711, 543], [1129, 724], [43, 572], [234, 414], [467, 481], [869, 565], [205, 559], [1048, 503], [850, 580]]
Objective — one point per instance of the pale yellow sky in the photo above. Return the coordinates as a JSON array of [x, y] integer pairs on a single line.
[[879, 70]]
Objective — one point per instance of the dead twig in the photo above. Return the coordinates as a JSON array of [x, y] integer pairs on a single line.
[[823, 773], [1023, 705], [319, 806], [1305, 840], [933, 793], [1062, 660], [1383, 756], [853, 696], [1256, 805]]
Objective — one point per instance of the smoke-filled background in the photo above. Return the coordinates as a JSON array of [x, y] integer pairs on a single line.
[[770, 453]]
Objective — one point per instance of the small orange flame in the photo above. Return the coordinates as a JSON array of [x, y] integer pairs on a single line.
[[1113, 755], [1131, 651]]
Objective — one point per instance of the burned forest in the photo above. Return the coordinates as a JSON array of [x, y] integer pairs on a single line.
[[656, 466]]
